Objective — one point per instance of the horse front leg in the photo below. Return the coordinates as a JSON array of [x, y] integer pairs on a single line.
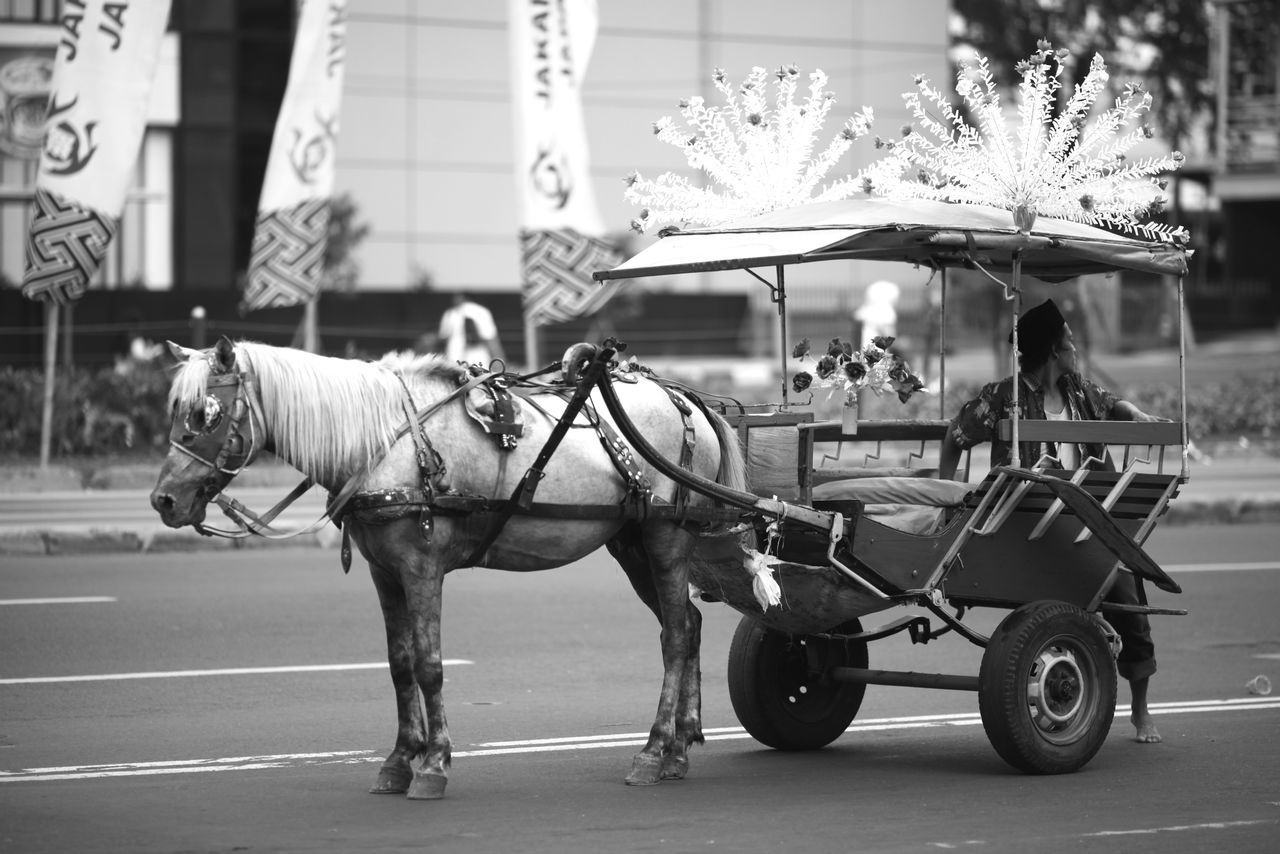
[[424, 589], [396, 772]]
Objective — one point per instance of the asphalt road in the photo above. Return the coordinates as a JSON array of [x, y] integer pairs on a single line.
[[223, 701]]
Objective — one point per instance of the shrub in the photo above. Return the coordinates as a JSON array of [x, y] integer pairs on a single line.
[[107, 411]]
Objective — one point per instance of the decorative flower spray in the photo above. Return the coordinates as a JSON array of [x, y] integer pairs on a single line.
[[851, 368], [1065, 166], [758, 157]]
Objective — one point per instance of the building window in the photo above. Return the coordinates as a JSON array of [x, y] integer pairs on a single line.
[[30, 11]]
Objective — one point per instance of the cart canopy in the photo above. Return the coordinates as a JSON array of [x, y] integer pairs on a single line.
[[929, 233]]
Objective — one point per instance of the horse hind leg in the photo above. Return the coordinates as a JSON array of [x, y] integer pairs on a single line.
[[657, 568], [675, 762], [396, 773]]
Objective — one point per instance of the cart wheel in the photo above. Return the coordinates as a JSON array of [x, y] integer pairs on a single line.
[[1047, 688], [779, 688]]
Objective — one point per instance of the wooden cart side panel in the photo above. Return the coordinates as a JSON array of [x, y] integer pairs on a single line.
[[1007, 569], [771, 446]]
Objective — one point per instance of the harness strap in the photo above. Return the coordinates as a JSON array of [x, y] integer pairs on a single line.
[[252, 523], [338, 500], [522, 496], [623, 460], [394, 503], [687, 445]]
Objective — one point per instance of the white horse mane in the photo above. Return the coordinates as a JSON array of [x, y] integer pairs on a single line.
[[326, 416]]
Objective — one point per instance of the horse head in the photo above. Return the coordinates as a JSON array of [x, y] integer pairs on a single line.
[[216, 431]]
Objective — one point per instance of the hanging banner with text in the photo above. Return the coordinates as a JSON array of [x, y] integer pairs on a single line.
[[94, 122], [292, 228], [561, 230]]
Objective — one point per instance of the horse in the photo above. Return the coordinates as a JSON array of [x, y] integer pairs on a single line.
[[398, 428]]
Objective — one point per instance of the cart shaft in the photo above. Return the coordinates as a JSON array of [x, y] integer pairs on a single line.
[[905, 678]]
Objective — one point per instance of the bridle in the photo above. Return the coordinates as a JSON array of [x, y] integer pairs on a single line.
[[218, 442]]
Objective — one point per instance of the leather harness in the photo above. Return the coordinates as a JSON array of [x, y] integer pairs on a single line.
[[432, 496]]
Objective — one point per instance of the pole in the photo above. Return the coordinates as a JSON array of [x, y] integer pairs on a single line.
[[1182, 378], [310, 325], [782, 330], [50, 367], [67, 343], [530, 345], [1016, 461], [942, 348]]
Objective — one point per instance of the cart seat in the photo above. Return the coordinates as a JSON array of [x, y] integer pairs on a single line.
[[916, 505]]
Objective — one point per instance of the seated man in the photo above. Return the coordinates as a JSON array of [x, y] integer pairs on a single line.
[[1050, 387]]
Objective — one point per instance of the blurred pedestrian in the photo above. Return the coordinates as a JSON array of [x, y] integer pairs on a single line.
[[469, 334], [878, 314]]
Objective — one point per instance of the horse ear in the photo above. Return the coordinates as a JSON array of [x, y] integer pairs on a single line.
[[180, 353], [225, 354]]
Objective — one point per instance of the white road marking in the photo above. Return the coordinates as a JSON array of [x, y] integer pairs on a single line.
[[186, 766], [1245, 566], [228, 671], [1177, 828], [541, 745], [61, 600]]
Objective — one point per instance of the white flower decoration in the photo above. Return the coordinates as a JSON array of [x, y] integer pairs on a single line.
[[1060, 166], [759, 158]]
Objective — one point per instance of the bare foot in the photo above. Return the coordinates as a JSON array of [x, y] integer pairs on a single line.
[[1147, 733]]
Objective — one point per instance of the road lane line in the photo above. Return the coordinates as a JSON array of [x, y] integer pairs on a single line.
[[60, 600], [229, 671], [903, 722], [548, 745], [1177, 828], [187, 766]]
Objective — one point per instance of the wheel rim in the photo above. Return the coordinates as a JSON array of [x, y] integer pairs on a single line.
[[805, 694], [1062, 691]]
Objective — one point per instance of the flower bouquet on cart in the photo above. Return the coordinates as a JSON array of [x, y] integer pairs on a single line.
[[850, 369]]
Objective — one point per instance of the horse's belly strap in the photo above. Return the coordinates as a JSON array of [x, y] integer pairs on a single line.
[[386, 505]]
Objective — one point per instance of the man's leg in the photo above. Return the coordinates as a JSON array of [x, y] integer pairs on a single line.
[[1141, 715], [1137, 659]]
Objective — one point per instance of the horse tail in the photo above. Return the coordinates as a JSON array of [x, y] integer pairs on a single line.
[[733, 465]]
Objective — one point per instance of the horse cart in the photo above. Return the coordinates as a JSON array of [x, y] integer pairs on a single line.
[[849, 542], [431, 466]]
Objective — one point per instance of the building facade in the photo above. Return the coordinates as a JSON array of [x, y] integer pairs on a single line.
[[426, 150], [1246, 179]]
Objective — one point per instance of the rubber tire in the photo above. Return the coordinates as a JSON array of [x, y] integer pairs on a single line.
[[1061, 734], [766, 671]]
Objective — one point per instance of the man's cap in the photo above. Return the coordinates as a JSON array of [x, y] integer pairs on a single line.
[[1039, 328]]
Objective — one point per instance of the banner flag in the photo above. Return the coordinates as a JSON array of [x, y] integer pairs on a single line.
[[561, 236], [97, 113], [292, 229]]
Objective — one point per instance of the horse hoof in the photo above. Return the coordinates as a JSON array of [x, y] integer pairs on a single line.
[[675, 767], [392, 781], [427, 787], [646, 770]]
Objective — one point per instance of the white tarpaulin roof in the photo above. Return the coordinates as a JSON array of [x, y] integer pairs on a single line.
[[934, 234]]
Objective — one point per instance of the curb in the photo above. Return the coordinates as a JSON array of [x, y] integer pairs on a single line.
[[54, 543], [1262, 509]]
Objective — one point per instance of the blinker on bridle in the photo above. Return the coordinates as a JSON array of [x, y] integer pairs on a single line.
[[217, 440]]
